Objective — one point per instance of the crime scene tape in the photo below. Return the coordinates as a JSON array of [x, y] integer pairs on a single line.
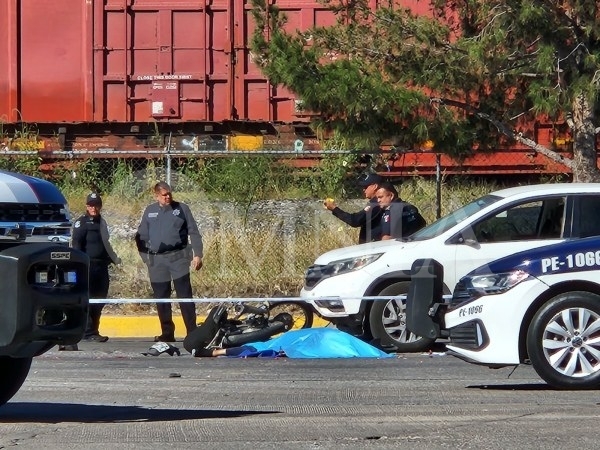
[[235, 299]]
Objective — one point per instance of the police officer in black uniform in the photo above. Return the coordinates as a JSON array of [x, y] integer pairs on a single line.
[[164, 237], [90, 235], [370, 217], [399, 219]]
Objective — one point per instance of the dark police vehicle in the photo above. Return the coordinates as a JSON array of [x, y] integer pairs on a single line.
[[44, 287]]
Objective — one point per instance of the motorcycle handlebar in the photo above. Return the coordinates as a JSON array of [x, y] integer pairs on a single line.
[[242, 308]]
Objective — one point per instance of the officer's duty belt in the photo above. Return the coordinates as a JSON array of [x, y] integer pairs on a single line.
[[166, 252]]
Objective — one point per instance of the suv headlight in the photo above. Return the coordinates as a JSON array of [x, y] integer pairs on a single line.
[[315, 274], [351, 264]]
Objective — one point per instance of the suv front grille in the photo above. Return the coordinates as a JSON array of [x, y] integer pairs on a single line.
[[24, 220], [32, 212], [63, 230]]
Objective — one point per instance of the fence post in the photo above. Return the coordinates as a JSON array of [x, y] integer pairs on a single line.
[[168, 151], [438, 185]]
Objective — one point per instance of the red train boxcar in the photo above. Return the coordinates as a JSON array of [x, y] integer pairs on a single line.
[[130, 61], [131, 75], [125, 74]]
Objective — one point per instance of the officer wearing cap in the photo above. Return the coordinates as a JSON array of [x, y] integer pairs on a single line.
[[370, 217], [170, 244], [90, 235]]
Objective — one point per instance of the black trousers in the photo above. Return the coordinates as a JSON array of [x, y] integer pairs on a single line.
[[99, 284], [166, 270]]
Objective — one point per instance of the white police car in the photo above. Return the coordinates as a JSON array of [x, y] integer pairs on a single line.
[[540, 306], [502, 223]]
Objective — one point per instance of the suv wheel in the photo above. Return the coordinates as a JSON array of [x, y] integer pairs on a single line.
[[562, 341], [13, 372], [388, 322]]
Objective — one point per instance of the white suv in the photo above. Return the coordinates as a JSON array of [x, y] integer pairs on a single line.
[[341, 283]]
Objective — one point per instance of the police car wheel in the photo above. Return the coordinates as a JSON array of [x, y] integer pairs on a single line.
[[387, 320], [13, 372], [562, 341]]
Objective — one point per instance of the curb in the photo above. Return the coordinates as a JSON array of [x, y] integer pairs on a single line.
[[148, 326]]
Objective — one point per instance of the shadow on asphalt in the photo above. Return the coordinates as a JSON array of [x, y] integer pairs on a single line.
[[514, 387], [437, 347], [69, 412]]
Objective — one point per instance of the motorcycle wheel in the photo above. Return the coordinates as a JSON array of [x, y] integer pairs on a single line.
[[301, 313]]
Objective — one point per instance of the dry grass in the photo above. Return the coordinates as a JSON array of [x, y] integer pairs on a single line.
[[263, 263], [235, 265]]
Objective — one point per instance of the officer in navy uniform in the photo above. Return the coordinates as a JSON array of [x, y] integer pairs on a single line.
[[170, 243], [90, 235], [399, 219], [369, 218]]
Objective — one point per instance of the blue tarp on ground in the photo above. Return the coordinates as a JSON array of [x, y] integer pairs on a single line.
[[315, 343]]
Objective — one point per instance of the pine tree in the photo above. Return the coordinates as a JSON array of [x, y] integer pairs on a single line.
[[470, 74]]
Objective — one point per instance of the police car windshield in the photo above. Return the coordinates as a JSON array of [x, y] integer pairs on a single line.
[[445, 223]]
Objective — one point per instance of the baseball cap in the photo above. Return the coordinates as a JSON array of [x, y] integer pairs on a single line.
[[93, 199], [162, 347], [367, 179]]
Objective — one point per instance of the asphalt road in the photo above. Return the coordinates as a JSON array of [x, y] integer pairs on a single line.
[[111, 396]]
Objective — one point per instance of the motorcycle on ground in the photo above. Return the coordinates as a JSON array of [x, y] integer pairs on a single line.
[[249, 323]]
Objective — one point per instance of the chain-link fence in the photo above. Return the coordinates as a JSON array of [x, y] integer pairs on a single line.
[[261, 215], [517, 161]]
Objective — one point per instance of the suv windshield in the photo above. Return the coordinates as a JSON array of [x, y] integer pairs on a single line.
[[445, 223]]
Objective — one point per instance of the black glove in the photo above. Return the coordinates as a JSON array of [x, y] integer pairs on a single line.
[[141, 245]]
